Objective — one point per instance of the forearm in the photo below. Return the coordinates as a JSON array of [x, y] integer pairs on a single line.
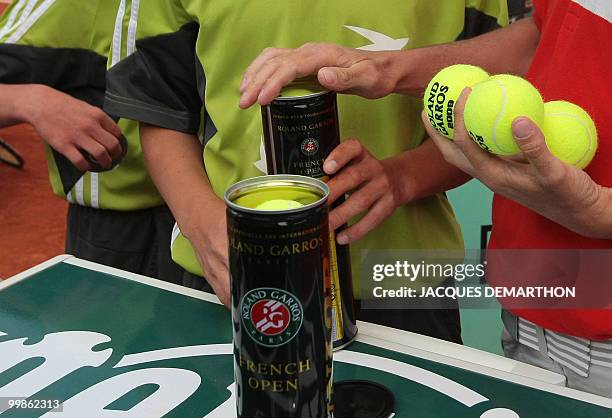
[[13, 103], [174, 160], [599, 223], [506, 50], [589, 215], [424, 172]]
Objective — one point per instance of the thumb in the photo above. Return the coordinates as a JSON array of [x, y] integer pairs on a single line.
[[336, 78], [531, 142]]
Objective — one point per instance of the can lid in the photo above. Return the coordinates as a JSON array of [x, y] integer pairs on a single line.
[[362, 399], [301, 89]]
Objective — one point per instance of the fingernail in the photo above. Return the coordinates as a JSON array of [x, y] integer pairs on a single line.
[[522, 128], [243, 98], [342, 239], [330, 166], [328, 76]]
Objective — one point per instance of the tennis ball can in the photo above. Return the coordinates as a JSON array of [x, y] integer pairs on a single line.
[[301, 129], [278, 237]]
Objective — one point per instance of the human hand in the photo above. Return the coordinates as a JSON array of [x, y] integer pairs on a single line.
[[372, 187], [365, 73], [538, 180], [70, 125]]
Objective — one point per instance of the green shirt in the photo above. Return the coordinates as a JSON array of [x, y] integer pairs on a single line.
[[64, 44], [151, 86]]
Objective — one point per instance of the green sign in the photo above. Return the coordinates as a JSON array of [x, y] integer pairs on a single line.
[[107, 346]]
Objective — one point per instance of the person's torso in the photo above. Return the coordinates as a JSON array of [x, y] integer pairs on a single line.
[[570, 64], [232, 34]]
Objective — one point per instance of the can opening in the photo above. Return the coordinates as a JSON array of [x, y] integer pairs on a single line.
[[277, 194], [274, 194], [302, 89]]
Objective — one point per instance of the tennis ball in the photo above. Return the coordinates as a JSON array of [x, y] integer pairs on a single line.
[[570, 133], [443, 91], [279, 204], [494, 104]]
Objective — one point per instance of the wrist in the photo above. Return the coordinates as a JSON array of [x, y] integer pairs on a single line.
[[391, 69], [202, 218], [598, 220], [413, 70], [405, 186], [27, 100]]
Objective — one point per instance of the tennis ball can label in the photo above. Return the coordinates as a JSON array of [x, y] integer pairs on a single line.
[[281, 296], [301, 129]]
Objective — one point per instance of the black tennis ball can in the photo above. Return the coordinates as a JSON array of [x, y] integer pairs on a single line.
[[281, 297], [301, 129]]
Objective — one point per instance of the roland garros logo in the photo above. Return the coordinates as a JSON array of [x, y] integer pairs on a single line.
[[271, 317], [310, 146]]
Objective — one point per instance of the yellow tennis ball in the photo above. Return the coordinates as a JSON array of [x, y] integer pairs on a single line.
[[279, 204], [570, 133], [443, 91], [494, 104]]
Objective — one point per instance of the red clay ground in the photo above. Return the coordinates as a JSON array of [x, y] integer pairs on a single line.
[[32, 219]]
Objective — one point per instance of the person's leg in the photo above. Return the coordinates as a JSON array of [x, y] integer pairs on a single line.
[[123, 240], [520, 352], [434, 317], [599, 380], [438, 323], [194, 281], [515, 350], [105, 237], [158, 257]]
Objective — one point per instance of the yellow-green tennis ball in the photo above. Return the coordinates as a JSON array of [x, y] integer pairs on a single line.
[[570, 133], [494, 104], [279, 204], [443, 91]]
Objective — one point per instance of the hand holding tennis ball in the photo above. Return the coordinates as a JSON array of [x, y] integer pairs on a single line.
[[493, 105], [495, 102]]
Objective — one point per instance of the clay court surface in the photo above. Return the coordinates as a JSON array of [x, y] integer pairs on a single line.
[[32, 219]]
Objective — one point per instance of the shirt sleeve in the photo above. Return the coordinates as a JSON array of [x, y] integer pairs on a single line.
[[483, 16], [29, 53], [156, 81]]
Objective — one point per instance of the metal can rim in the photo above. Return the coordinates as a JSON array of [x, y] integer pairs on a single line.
[[305, 96], [280, 180], [305, 83]]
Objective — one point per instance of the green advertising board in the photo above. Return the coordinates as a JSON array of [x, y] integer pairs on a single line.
[[105, 345]]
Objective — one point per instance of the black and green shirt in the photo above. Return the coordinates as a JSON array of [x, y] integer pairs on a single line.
[[169, 84], [65, 44]]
